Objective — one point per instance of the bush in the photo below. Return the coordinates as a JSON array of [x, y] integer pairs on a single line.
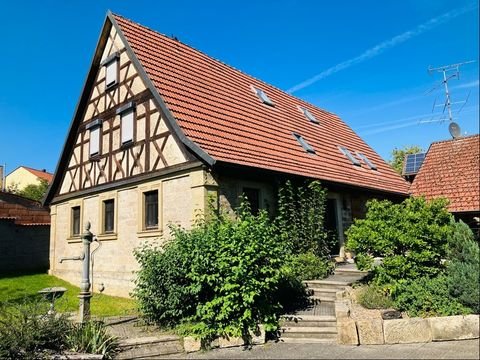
[[463, 267], [227, 272], [301, 212], [427, 297], [91, 337], [374, 297], [308, 266], [410, 236], [27, 332]]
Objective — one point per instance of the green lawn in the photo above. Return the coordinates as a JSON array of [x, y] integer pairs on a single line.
[[23, 288]]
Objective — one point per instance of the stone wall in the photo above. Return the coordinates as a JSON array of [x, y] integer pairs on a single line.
[[23, 247], [180, 197]]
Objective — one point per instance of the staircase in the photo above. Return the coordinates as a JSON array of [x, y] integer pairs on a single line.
[[317, 323]]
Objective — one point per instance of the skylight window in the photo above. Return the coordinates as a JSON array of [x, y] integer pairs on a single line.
[[367, 161], [262, 96], [306, 146], [349, 155], [309, 115]]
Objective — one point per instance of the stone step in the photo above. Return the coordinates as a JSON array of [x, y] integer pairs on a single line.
[[315, 299], [312, 332], [327, 284], [349, 271], [293, 340], [324, 292], [149, 347], [308, 321]]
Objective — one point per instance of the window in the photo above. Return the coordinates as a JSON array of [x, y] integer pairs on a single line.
[[349, 155], [95, 141], [367, 161], [108, 216], [306, 146], [126, 119], [76, 221], [262, 96], [151, 209], [309, 115], [253, 197]]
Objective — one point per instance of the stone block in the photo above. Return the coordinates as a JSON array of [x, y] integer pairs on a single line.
[[342, 311], [230, 342], [191, 344], [405, 331], [455, 327], [258, 337], [347, 332], [370, 332]]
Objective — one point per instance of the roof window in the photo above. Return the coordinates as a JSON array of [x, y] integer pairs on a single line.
[[309, 115], [349, 155], [262, 96], [306, 146], [367, 161], [412, 163]]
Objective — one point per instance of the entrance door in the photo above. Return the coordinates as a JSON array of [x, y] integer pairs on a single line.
[[331, 224]]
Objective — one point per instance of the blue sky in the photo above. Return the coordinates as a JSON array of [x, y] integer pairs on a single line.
[[365, 60]]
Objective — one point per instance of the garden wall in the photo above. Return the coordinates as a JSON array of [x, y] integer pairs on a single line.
[[377, 331]]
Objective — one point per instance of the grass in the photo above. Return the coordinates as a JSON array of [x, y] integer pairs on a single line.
[[23, 289]]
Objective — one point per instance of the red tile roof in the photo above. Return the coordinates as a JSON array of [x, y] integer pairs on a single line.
[[451, 169], [22, 210], [215, 106], [42, 174]]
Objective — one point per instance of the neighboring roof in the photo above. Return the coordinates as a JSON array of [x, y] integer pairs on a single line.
[[217, 108], [22, 211], [451, 169], [42, 174]]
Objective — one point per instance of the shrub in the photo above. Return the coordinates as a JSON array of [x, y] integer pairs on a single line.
[[374, 297], [166, 295], [427, 297], [301, 212], [308, 266], [27, 332], [226, 270], [463, 267], [411, 236], [91, 337]]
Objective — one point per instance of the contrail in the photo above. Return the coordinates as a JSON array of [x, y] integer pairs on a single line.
[[380, 48]]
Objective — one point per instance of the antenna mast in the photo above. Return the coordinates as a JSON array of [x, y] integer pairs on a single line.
[[446, 70]]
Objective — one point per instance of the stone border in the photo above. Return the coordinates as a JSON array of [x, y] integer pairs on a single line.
[[402, 331], [190, 344]]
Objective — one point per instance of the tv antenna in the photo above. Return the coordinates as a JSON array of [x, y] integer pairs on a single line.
[[449, 72]]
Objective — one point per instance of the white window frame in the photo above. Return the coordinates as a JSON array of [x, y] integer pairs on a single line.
[[127, 121], [94, 145]]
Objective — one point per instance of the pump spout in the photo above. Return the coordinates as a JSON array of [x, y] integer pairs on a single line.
[[72, 258]]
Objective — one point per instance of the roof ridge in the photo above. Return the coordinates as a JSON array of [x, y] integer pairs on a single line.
[[223, 63], [40, 170], [458, 139]]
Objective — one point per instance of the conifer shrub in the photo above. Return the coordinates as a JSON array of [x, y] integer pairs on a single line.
[[411, 237]]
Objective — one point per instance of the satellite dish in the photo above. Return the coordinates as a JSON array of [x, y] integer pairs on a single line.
[[454, 130]]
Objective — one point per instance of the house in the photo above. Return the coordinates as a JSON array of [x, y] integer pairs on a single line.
[[160, 128], [22, 176], [24, 234], [451, 169]]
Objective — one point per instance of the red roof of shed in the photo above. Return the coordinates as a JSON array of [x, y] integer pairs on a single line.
[[216, 107], [451, 169]]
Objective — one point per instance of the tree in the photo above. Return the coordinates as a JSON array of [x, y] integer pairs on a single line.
[[398, 155], [35, 191]]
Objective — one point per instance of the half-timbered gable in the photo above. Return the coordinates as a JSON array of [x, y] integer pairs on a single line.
[[122, 132]]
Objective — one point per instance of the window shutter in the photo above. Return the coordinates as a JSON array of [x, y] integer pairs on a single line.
[[111, 73], [94, 141], [127, 126]]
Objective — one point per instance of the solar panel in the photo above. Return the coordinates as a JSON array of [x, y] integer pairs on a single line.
[[265, 99], [367, 161], [349, 155], [412, 163], [306, 146], [309, 115]]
